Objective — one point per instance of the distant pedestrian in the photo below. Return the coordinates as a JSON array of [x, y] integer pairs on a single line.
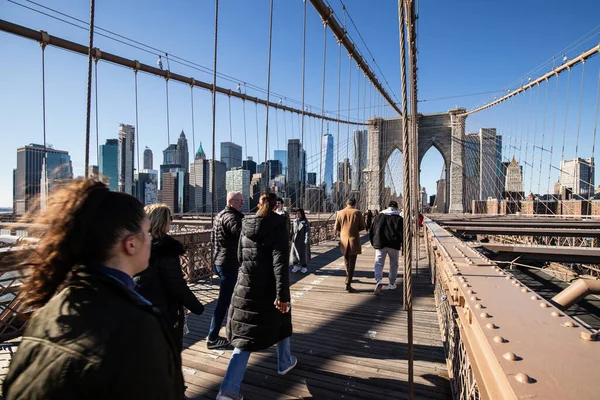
[[91, 336], [300, 252], [227, 228], [349, 223], [162, 283], [260, 314], [386, 238], [368, 219], [279, 209]]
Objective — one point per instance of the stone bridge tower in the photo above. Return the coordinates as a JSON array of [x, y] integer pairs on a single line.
[[444, 131]]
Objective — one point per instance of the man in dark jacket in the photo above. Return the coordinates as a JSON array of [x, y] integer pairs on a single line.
[[226, 231], [386, 238]]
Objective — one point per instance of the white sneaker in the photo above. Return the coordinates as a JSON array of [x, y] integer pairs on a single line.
[[304, 270], [296, 268], [378, 286], [392, 287]]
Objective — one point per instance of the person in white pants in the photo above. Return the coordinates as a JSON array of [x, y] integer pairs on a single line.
[[386, 238]]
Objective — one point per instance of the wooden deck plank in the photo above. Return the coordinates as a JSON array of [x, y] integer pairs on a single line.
[[349, 345]]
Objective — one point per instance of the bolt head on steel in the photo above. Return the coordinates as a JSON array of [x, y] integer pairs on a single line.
[[544, 305], [524, 290], [491, 326], [479, 306], [523, 378], [498, 339], [534, 297], [485, 315], [568, 324], [474, 298], [510, 356], [555, 314]]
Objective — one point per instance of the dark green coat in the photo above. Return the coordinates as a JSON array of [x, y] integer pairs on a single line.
[[96, 339]]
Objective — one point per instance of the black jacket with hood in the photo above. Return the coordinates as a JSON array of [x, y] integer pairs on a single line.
[[254, 322], [386, 230]]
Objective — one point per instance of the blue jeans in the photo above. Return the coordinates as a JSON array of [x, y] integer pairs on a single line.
[[228, 276], [239, 360]]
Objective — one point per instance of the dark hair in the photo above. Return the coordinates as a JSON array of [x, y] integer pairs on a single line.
[[279, 200], [301, 211], [393, 204], [266, 204], [84, 221], [351, 202]]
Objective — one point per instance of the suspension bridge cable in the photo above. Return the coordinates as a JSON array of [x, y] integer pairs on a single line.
[[302, 144], [43, 47], [268, 92], [580, 107], [137, 127], [214, 123], [192, 114], [244, 112], [88, 112], [562, 157], [543, 136], [168, 122], [257, 134], [96, 112], [596, 122], [321, 136], [553, 130], [537, 105]]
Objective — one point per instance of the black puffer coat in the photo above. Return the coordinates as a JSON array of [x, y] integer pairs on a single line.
[[95, 340], [228, 225], [162, 283], [254, 323]]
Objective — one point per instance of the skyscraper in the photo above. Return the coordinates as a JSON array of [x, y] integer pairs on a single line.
[[237, 180], [170, 155], [344, 171], [578, 175], [108, 164], [126, 158], [273, 168], [182, 155], [514, 179], [488, 164], [175, 190], [148, 159], [360, 141], [146, 184], [296, 170], [312, 179], [231, 154], [471, 168], [281, 155], [249, 165], [326, 168], [28, 174], [201, 184]]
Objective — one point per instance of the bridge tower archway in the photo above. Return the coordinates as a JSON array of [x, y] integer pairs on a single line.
[[444, 131]]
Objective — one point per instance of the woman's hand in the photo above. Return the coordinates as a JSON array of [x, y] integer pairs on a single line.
[[282, 306]]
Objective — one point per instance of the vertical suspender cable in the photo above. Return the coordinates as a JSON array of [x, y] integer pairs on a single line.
[[349, 105], [89, 91], [578, 130], [267, 170], [257, 135], [321, 161], [230, 129], [552, 141], [595, 125], [245, 135], [96, 113], [543, 137], [562, 157], [214, 126], [410, 13], [537, 105], [137, 129], [43, 45], [302, 160], [193, 124], [338, 124]]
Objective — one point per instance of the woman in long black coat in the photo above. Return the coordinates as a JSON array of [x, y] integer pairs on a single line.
[[162, 283], [260, 316]]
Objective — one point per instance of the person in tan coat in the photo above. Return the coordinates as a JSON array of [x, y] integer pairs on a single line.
[[349, 223]]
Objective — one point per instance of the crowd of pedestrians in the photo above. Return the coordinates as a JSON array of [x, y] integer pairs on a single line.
[[109, 299]]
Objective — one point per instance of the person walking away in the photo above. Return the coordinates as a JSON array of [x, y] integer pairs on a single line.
[[300, 252], [348, 223], [227, 228], [91, 336], [162, 283], [260, 313], [386, 238], [279, 209], [368, 219]]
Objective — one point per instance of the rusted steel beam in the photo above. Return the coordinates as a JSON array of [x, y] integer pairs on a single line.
[[578, 255], [517, 344], [28, 33], [501, 230]]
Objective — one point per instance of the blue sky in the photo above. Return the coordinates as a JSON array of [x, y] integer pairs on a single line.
[[465, 47]]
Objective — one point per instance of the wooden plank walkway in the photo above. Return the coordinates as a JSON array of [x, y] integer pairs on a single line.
[[349, 345]]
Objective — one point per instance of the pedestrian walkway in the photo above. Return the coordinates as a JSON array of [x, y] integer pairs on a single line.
[[349, 345]]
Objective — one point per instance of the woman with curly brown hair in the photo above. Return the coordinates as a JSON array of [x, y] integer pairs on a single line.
[[91, 335]]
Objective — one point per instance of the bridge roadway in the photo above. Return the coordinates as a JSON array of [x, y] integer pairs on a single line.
[[349, 345]]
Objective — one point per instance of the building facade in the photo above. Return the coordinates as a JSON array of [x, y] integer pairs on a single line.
[[126, 158], [182, 156], [146, 184], [296, 164], [148, 159], [281, 155], [578, 176], [326, 167], [108, 163], [231, 155], [237, 180], [28, 174]]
